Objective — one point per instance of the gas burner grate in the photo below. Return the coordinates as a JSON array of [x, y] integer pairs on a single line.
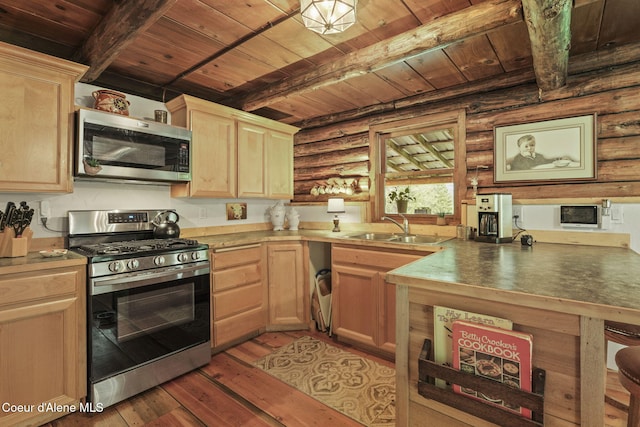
[[134, 246]]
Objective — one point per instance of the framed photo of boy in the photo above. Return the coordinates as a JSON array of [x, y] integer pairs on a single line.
[[552, 150]]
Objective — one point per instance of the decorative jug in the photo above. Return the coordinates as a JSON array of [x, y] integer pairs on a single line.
[[293, 217], [111, 101], [277, 213]]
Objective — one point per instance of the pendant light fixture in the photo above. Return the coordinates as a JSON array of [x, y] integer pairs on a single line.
[[328, 16]]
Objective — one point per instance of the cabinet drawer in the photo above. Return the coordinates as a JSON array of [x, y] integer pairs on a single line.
[[236, 276], [381, 259], [233, 257], [237, 300], [237, 326], [20, 287]]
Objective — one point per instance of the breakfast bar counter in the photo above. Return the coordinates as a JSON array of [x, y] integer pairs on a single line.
[[561, 294]]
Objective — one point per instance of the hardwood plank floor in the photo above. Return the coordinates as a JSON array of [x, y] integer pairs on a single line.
[[230, 391]]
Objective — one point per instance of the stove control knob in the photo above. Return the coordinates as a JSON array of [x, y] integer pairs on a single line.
[[133, 264], [159, 260], [195, 256], [183, 257], [115, 266]]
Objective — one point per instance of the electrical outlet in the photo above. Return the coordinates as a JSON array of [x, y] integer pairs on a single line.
[[517, 211], [45, 209]]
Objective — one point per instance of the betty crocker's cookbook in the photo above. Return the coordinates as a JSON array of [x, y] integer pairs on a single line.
[[498, 354]]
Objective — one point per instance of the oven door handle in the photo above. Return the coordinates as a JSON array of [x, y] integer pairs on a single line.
[[103, 285]]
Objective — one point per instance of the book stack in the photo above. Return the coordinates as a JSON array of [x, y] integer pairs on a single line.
[[443, 319], [497, 354]]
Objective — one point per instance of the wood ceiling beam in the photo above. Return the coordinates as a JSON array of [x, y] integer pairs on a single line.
[[420, 139], [549, 26], [119, 27], [402, 153], [466, 23], [585, 62]]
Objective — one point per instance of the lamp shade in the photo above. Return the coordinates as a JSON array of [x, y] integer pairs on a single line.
[[328, 16], [335, 206]]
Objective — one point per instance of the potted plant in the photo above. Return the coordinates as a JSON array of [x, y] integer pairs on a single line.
[[401, 198], [441, 220], [91, 165]]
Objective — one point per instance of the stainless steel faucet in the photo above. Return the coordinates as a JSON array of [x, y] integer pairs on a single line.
[[404, 226]]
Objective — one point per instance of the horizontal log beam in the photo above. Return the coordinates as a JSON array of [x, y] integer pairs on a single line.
[[119, 27], [449, 29]]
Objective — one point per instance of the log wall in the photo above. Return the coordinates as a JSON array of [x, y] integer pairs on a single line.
[[341, 149]]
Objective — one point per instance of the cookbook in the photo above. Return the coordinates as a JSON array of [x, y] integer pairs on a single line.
[[443, 318], [497, 354]]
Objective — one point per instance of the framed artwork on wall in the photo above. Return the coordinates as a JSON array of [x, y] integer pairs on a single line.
[[551, 150]]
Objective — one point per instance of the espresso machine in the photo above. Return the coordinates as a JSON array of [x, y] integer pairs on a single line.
[[495, 217]]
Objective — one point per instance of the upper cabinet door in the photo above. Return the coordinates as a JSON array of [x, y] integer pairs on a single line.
[[214, 155], [36, 121], [252, 160], [280, 165]]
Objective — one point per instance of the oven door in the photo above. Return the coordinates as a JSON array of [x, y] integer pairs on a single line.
[[136, 319]]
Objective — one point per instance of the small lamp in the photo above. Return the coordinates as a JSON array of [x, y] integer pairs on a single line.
[[336, 206]]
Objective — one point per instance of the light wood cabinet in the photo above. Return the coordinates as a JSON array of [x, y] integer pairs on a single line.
[[213, 148], [234, 153], [288, 289], [43, 342], [364, 304], [238, 294], [36, 121]]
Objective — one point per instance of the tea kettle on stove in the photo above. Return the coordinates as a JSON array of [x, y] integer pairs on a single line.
[[166, 225]]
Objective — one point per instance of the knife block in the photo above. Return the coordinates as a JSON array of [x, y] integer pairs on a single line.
[[12, 246]]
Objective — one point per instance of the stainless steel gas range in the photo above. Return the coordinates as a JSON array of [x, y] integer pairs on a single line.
[[148, 302]]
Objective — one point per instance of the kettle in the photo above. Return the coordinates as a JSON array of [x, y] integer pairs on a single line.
[[165, 225]]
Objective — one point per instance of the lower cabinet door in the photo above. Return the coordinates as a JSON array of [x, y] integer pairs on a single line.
[[355, 301]]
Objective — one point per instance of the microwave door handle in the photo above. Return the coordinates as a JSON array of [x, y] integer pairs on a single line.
[[103, 285]]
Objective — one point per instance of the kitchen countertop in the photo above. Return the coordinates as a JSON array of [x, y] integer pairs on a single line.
[[34, 262], [593, 281], [602, 280], [222, 241]]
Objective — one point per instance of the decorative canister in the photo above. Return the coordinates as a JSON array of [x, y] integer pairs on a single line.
[[277, 213], [111, 101], [293, 217]]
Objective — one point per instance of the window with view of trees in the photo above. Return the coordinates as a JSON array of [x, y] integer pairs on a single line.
[[420, 166]]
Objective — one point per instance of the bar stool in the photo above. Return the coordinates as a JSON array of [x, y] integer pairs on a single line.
[[625, 334], [628, 361]]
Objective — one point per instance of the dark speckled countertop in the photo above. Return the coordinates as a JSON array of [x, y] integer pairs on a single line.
[[594, 281]]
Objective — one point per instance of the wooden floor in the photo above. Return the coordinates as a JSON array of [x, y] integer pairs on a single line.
[[230, 391]]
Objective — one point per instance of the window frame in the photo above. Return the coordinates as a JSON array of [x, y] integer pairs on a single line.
[[453, 119]]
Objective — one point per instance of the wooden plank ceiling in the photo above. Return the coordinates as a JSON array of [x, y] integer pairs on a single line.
[[256, 54]]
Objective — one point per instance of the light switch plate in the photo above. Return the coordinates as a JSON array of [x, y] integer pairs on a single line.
[[617, 214]]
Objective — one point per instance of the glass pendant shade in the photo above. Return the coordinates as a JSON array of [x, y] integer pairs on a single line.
[[328, 16]]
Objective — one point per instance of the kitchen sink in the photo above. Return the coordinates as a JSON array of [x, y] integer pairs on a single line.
[[375, 236], [400, 238]]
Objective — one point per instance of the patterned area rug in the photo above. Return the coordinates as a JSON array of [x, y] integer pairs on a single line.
[[359, 388]]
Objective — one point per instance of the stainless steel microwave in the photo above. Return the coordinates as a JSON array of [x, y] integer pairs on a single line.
[[115, 146]]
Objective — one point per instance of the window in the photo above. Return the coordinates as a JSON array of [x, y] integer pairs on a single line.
[[426, 156]]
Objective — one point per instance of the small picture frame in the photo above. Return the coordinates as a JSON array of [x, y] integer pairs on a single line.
[[236, 211], [552, 150]]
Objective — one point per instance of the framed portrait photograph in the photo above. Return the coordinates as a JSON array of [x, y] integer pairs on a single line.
[[552, 150]]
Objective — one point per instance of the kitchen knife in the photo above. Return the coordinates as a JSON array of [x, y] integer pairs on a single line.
[[5, 218]]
